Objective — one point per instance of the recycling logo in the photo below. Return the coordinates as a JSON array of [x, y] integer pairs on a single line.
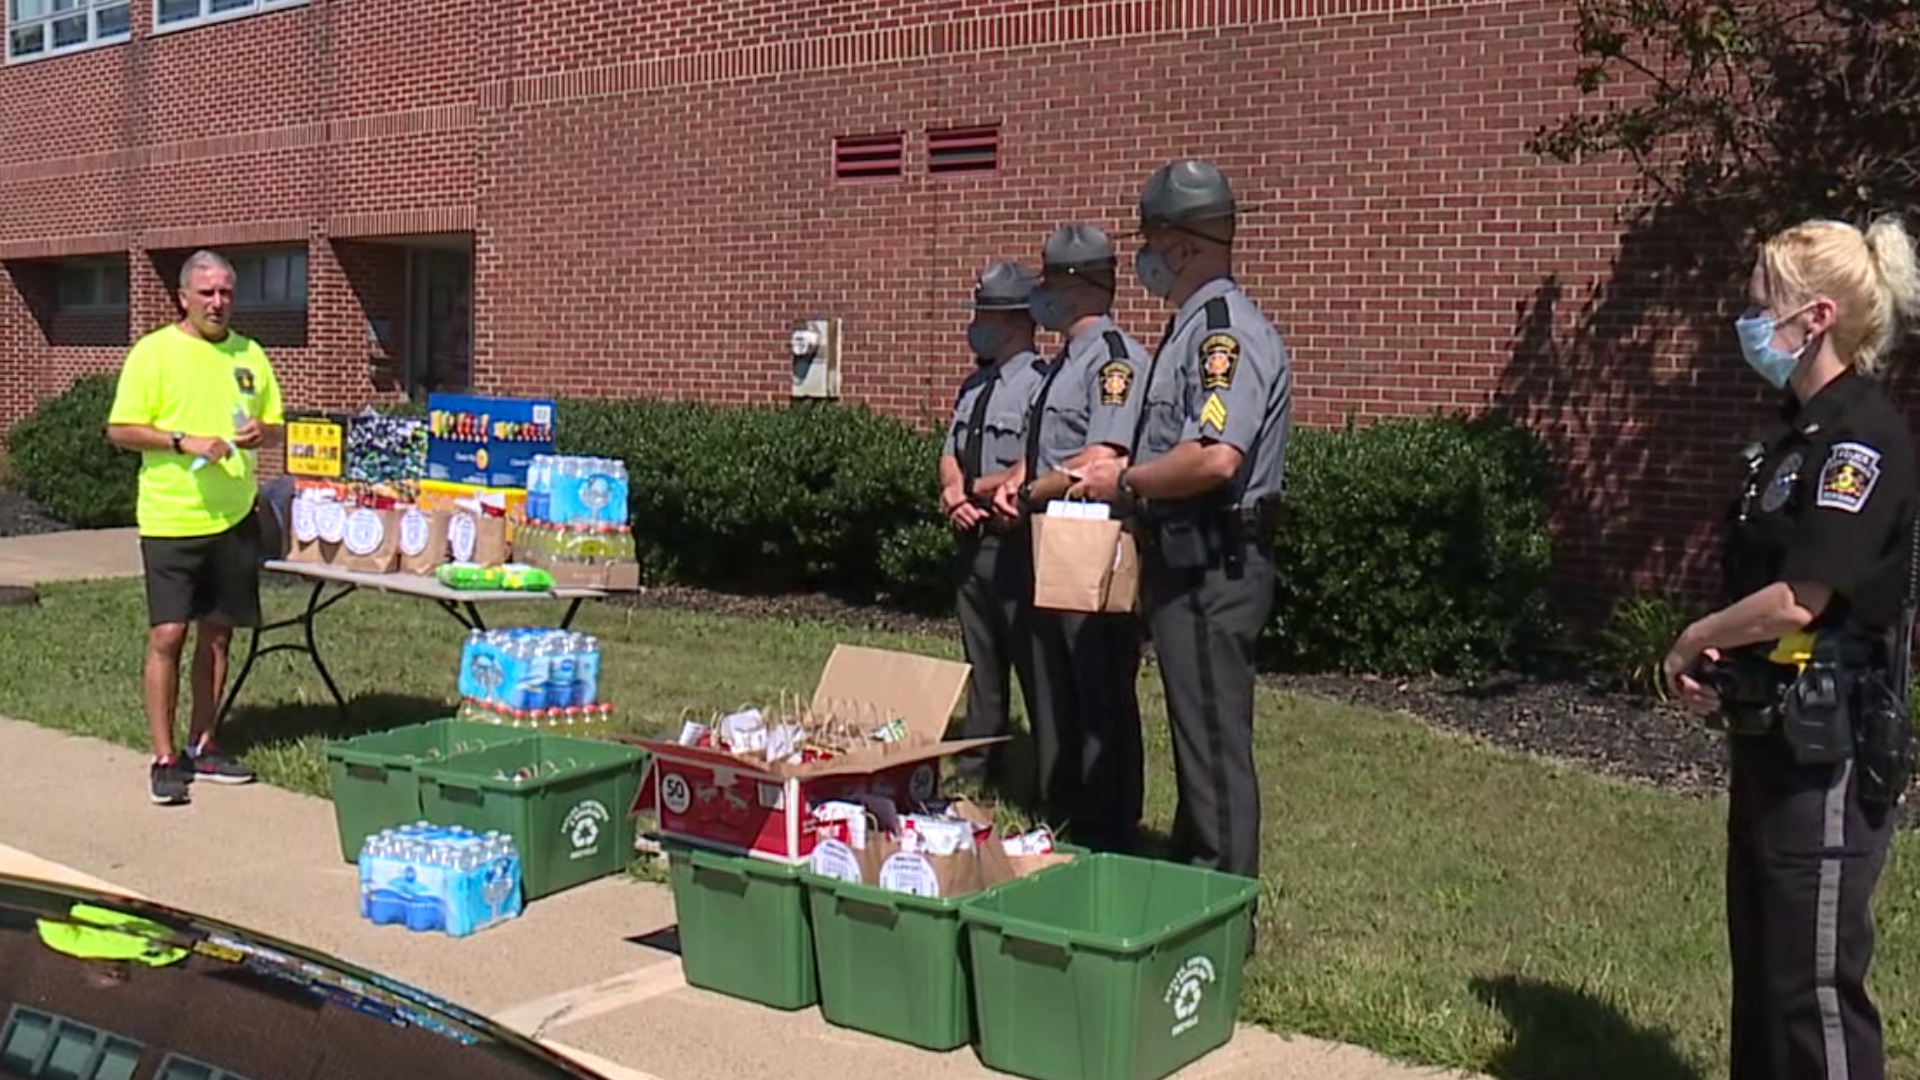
[[1186, 991], [582, 827]]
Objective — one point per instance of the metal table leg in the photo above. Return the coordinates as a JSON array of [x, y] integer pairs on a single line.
[[310, 646]]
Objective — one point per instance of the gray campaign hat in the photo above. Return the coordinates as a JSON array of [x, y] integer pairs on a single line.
[[1003, 286], [1079, 246], [1187, 192]]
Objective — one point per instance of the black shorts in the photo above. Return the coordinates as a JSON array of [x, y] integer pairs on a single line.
[[215, 578]]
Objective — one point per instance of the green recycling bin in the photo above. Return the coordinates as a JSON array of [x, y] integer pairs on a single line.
[[373, 776], [564, 800], [744, 930], [1108, 968]]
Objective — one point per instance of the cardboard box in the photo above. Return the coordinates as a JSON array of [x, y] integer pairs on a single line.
[[747, 805], [486, 441]]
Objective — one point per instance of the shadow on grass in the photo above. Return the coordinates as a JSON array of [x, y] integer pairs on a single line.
[[1560, 1033], [274, 725]]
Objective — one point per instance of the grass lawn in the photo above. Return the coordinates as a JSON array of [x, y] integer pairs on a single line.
[[1432, 899]]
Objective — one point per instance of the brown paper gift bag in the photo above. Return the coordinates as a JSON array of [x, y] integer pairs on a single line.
[[478, 539], [423, 539], [1082, 564], [885, 864], [372, 541], [303, 532]]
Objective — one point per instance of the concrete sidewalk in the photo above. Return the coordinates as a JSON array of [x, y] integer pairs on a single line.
[[69, 556], [585, 969]]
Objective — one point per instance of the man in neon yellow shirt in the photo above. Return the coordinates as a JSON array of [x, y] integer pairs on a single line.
[[198, 400]]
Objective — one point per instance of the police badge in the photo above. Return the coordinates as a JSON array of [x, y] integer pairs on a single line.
[[1780, 488]]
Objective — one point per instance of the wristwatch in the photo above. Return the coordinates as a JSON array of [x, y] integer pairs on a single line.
[[177, 436], [1026, 493], [1129, 498]]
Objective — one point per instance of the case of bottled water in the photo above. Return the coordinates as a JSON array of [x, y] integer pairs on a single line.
[[431, 878]]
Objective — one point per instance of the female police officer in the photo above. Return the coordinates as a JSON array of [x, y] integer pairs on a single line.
[[1806, 666]]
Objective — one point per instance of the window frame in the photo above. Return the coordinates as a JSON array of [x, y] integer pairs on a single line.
[[98, 267], [250, 265], [213, 18], [92, 9], [214, 1072]]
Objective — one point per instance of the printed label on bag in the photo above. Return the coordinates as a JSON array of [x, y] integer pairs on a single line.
[[365, 532], [906, 872], [460, 533], [833, 859], [413, 533], [332, 521], [306, 526]]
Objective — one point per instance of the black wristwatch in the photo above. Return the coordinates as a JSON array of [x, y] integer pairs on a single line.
[[1129, 498], [177, 436], [1026, 494]]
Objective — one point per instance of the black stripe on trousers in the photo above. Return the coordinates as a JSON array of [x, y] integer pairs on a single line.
[[1210, 709]]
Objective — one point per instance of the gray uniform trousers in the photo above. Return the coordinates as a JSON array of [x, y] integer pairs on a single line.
[[1206, 626], [1086, 725], [994, 601]]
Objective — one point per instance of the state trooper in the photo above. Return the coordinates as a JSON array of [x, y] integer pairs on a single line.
[[1203, 483], [994, 564], [1089, 746]]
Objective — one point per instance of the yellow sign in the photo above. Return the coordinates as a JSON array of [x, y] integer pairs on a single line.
[[314, 448]]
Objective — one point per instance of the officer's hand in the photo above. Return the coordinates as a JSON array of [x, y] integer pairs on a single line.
[[966, 517], [1006, 501], [1098, 480], [205, 446], [1700, 699]]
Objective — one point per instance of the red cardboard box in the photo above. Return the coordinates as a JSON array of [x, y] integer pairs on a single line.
[[744, 804]]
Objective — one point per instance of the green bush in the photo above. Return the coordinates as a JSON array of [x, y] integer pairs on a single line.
[[62, 460], [769, 497], [1412, 546]]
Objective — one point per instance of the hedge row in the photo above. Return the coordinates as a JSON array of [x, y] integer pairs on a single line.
[[1409, 545]]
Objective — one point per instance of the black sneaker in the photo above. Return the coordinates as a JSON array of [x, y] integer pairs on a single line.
[[209, 764], [168, 780]]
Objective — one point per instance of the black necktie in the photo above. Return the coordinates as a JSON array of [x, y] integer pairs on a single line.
[[976, 434], [1140, 422], [1039, 412]]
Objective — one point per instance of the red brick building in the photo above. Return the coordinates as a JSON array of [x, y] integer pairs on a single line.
[[618, 197]]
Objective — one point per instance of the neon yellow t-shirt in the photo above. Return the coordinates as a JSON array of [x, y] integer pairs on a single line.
[[175, 381]]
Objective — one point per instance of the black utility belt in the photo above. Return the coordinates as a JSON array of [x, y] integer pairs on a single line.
[[1820, 710]]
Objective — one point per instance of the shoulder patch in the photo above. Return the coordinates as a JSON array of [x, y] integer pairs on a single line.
[[1214, 414], [1219, 355], [1116, 382], [1848, 477]]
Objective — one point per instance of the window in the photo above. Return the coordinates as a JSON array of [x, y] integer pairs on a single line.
[[40, 1046], [182, 1068], [869, 157], [963, 150], [40, 28], [91, 285], [270, 279], [181, 14]]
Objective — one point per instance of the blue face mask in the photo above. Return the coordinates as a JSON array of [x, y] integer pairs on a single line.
[[1756, 345], [1050, 309], [1156, 274], [984, 343]]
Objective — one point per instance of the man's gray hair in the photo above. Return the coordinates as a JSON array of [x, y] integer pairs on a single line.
[[202, 260]]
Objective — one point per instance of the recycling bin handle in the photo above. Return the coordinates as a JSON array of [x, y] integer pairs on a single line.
[[883, 905], [706, 863], [1038, 935]]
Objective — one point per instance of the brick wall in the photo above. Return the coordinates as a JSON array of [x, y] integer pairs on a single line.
[[649, 190]]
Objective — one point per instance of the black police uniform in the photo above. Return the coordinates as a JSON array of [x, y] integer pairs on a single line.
[[1830, 499]]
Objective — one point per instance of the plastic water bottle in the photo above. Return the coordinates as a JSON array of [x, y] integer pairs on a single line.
[[586, 670], [620, 492], [562, 671]]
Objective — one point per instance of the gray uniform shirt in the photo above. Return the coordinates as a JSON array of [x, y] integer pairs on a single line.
[[1094, 398], [1222, 375], [1004, 428]]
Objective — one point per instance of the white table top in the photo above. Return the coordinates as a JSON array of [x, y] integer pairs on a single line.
[[421, 584]]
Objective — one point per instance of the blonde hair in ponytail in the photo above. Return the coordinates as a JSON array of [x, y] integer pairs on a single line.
[[1873, 276]]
